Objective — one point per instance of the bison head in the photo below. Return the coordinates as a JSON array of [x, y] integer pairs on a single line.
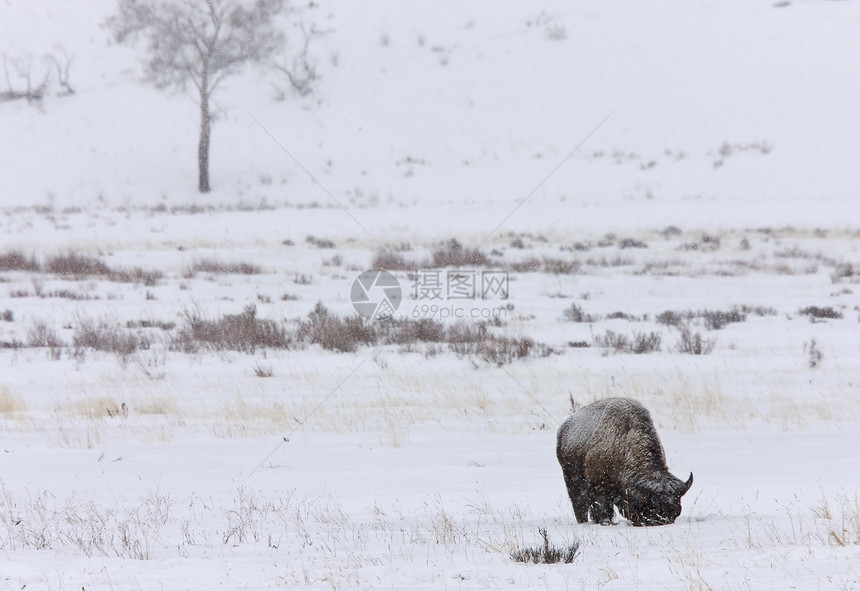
[[655, 501]]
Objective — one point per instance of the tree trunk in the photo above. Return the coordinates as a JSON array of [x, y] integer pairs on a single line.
[[203, 146]]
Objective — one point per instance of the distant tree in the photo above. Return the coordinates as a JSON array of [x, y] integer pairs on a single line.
[[201, 42]]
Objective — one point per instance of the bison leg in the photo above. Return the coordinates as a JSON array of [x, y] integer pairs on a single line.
[[602, 510], [578, 493], [580, 509]]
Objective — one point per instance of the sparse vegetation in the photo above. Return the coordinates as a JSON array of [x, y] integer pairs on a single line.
[[639, 344], [221, 268], [323, 243], [263, 371], [813, 354], [41, 335], [716, 320], [694, 343], [392, 261], [10, 404], [575, 313], [816, 313], [551, 265], [449, 254], [165, 325], [497, 350], [243, 332], [15, 260], [77, 265], [108, 337], [631, 243], [759, 310], [336, 333], [841, 272], [547, 553], [672, 318]]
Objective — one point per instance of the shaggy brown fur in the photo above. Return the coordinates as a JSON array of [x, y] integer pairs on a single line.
[[611, 456]]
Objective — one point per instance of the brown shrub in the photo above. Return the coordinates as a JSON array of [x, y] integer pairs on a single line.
[[392, 261], [639, 344], [15, 260], [77, 265], [454, 254], [107, 337], [330, 331], [694, 344], [236, 332], [221, 268]]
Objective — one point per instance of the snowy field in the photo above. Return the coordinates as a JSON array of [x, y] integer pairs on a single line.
[[668, 192]]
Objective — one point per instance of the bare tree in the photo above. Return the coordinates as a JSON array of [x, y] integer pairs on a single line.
[[201, 42], [300, 71], [63, 67], [23, 68]]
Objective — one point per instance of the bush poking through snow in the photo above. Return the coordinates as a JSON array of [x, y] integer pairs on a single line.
[[335, 333], [816, 313], [639, 344], [575, 313], [547, 554], [813, 354], [422, 330], [219, 268], [77, 265], [715, 320], [672, 318], [694, 344], [450, 254], [15, 260], [323, 243], [40, 335], [236, 332], [392, 261], [454, 254], [844, 271], [108, 337], [551, 265], [500, 350]]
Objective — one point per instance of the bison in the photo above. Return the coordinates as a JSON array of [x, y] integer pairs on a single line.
[[611, 457]]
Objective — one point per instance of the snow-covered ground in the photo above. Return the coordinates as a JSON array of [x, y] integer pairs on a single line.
[[716, 173]]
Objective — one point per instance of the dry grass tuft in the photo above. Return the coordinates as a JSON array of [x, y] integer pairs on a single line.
[[547, 554], [95, 407], [156, 405], [10, 404]]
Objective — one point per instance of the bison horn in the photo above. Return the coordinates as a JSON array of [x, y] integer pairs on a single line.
[[688, 484]]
